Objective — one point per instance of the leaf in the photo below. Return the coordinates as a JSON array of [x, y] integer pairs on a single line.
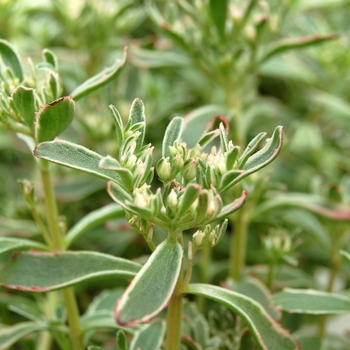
[[74, 156], [268, 334], [110, 163], [257, 161], [295, 43], [100, 79], [93, 219], [37, 272], [232, 207], [172, 133], [255, 289], [218, 13], [11, 334], [8, 244], [11, 59], [53, 119], [50, 57], [252, 145], [309, 301], [157, 59], [151, 289], [121, 341], [137, 117], [149, 337], [345, 254], [24, 100]]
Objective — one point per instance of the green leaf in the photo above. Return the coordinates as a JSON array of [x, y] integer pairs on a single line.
[[24, 100], [158, 59], [172, 133], [110, 163], [309, 301], [151, 289], [8, 244], [255, 289], [137, 117], [50, 57], [74, 156], [11, 59], [149, 337], [249, 150], [284, 45], [119, 127], [93, 219], [218, 13], [257, 161], [11, 334], [267, 333], [345, 254], [100, 79], [38, 272], [232, 207], [121, 341], [53, 119]]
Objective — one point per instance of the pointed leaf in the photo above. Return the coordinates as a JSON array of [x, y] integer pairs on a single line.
[[37, 272], [110, 163], [258, 160], [149, 337], [345, 254], [93, 219], [11, 334], [121, 341], [119, 127], [8, 244], [249, 150], [51, 58], [309, 301], [187, 199], [11, 59], [218, 13], [24, 100], [232, 207], [53, 119], [295, 43], [137, 117], [74, 156], [100, 79], [151, 289], [172, 133], [267, 333]]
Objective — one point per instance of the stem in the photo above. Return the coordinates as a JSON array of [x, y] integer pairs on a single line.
[[204, 265], [239, 244], [58, 244], [174, 316]]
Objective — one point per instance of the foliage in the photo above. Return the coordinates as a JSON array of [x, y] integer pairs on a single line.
[[137, 228]]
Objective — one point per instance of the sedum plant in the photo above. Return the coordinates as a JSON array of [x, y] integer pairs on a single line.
[[185, 195]]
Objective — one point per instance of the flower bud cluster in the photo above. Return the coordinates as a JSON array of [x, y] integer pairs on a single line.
[[209, 237]]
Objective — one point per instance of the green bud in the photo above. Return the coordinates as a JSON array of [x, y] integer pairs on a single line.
[[189, 170], [178, 162], [164, 169]]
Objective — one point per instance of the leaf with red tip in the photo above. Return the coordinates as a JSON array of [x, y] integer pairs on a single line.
[[267, 333], [151, 289], [37, 271]]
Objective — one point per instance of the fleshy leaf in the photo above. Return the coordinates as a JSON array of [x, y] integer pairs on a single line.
[[24, 100], [11, 243], [74, 156], [267, 333], [100, 79], [232, 207], [149, 337], [93, 219], [251, 147], [57, 270], [121, 341], [137, 117], [172, 133], [53, 119], [309, 301], [151, 289], [11, 58]]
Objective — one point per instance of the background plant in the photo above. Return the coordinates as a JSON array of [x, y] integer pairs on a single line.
[[297, 216]]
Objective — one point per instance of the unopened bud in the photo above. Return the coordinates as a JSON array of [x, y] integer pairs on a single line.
[[164, 169], [189, 169]]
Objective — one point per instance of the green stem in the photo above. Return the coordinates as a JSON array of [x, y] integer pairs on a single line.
[[174, 316], [58, 244], [239, 244], [204, 265]]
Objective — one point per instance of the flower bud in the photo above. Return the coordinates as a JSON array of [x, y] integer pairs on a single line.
[[164, 169], [189, 170]]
